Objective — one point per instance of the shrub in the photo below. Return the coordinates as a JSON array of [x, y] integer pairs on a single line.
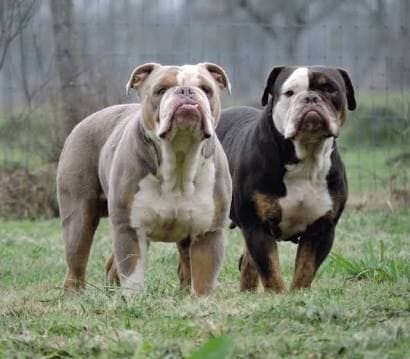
[[377, 126]]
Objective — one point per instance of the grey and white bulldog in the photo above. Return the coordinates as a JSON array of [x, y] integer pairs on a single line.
[[157, 170]]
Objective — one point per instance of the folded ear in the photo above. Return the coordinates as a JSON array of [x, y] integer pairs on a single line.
[[139, 75], [219, 74], [351, 100], [269, 84]]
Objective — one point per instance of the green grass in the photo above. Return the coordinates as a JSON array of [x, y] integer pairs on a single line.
[[346, 315], [368, 169], [400, 100]]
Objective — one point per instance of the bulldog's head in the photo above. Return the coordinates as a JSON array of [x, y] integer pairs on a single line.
[[309, 103], [179, 97]]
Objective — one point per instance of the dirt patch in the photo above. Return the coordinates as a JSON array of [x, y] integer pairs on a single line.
[[28, 194]]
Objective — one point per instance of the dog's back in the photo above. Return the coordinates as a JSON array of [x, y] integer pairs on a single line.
[[234, 119], [234, 132], [77, 172]]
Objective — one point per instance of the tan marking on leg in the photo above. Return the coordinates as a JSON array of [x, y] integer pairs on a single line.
[[249, 274], [207, 253], [184, 266], [111, 271], [267, 207], [275, 282], [304, 266], [219, 212]]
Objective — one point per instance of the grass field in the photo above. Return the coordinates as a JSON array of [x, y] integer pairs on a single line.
[[358, 307]]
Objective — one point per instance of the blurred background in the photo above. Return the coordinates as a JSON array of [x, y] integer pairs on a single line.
[[61, 60]]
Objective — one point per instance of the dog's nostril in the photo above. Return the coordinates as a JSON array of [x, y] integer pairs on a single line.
[[185, 91], [311, 99]]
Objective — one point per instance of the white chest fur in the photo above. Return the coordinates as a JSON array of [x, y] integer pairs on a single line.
[[307, 197], [169, 212]]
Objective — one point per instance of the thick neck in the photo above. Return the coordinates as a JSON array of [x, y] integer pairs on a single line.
[[270, 137], [314, 159], [181, 158]]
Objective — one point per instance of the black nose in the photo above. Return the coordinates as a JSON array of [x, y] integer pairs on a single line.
[[311, 99], [185, 91]]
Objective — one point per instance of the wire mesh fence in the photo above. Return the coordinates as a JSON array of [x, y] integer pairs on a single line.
[[104, 40]]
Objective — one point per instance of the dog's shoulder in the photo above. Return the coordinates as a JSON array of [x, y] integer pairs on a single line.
[[98, 126], [234, 119]]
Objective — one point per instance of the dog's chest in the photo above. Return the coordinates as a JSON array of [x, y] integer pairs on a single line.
[[307, 197], [172, 215]]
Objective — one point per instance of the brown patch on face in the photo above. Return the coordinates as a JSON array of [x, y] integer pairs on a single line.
[[305, 267], [249, 275], [151, 100], [169, 79], [322, 79], [267, 207], [342, 116], [184, 265], [150, 115], [275, 281], [213, 97]]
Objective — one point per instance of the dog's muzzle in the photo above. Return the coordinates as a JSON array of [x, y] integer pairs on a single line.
[[188, 113], [315, 121]]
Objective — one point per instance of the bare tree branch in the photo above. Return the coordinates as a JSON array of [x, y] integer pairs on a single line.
[[297, 15], [15, 15], [258, 18]]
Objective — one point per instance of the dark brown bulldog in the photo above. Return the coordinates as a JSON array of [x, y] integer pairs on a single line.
[[289, 182]]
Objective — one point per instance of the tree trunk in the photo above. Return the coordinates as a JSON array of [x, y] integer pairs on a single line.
[[68, 63]]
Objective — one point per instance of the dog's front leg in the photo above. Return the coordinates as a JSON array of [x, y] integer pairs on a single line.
[[184, 265], [264, 252], [314, 246], [131, 255], [207, 252], [249, 274]]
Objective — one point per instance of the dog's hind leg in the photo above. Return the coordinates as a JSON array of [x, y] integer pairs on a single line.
[[184, 265], [249, 274], [264, 251], [78, 232], [207, 252]]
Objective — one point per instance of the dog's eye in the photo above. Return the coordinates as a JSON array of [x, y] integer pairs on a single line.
[[206, 89], [289, 93], [329, 89], [160, 91]]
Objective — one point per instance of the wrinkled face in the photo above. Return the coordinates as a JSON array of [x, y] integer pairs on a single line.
[[310, 103], [176, 98]]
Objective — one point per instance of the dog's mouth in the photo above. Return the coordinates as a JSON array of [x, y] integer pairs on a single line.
[[313, 125], [186, 115]]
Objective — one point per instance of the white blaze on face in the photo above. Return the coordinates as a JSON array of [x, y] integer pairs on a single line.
[[284, 111], [188, 75]]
